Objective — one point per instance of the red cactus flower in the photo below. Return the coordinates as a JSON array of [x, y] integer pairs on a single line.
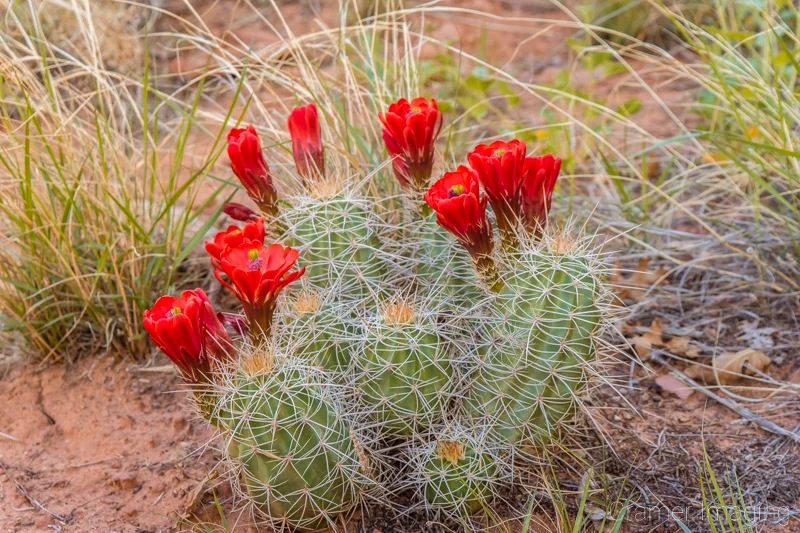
[[541, 173], [247, 162], [252, 232], [257, 275], [461, 210], [189, 332], [410, 130], [309, 155], [500, 169], [239, 212]]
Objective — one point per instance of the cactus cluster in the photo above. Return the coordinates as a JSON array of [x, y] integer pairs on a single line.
[[418, 351]]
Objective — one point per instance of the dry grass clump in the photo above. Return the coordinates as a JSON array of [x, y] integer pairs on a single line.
[[98, 189], [104, 34]]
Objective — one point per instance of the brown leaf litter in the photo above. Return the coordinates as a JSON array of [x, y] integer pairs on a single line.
[[729, 367], [635, 286]]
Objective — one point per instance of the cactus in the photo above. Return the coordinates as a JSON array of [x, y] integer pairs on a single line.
[[539, 344], [455, 471], [442, 268], [316, 329], [404, 373], [337, 232], [289, 443], [451, 354]]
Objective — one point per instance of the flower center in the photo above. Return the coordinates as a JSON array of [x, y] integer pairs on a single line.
[[455, 190], [413, 111], [174, 311], [500, 151], [235, 232], [255, 262]]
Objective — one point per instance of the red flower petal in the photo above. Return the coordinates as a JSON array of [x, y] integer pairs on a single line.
[[410, 131]]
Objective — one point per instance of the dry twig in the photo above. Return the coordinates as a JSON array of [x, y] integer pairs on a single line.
[[30, 498]]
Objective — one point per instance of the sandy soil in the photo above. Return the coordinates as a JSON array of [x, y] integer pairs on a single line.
[[105, 446], [98, 446]]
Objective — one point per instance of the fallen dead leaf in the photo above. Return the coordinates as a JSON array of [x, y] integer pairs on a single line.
[[672, 384], [596, 514], [729, 367], [635, 287], [681, 346], [652, 337], [194, 500]]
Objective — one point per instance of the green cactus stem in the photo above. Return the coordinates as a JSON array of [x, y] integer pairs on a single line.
[[316, 329], [534, 362], [292, 449], [455, 472], [403, 371], [444, 268], [337, 234]]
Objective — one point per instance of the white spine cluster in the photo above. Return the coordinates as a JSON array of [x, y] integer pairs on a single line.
[[288, 441]]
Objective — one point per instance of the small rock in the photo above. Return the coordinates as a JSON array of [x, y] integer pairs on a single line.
[[596, 514], [124, 480], [158, 488], [179, 424]]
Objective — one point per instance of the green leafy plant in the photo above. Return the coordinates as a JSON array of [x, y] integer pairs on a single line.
[[476, 94]]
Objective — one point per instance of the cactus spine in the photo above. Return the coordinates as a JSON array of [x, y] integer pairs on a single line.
[[337, 233], [403, 371], [289, 443], [536, 355]]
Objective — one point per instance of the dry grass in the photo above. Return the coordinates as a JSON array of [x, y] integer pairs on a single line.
[[98, 185]]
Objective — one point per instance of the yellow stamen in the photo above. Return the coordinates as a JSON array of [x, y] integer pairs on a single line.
[[455, 190], [253, 254]]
